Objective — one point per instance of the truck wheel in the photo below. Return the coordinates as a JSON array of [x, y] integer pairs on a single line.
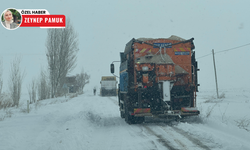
[[122, 114], [126, 116], [129, 118]]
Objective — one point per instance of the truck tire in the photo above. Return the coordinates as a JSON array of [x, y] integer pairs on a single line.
[[129, 118], [122, 114]]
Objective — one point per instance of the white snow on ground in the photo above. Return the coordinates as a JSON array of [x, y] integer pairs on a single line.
[[228, 125], [93, 122]]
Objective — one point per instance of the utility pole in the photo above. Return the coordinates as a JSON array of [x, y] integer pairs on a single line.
[[215, 75], [28, 107]]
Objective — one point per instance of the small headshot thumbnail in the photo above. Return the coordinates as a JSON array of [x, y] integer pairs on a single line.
[[11, 19]]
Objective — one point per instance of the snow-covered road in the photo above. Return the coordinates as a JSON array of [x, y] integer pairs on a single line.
[[92, 123]]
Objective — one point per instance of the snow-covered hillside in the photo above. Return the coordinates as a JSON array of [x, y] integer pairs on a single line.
[[93, 123]]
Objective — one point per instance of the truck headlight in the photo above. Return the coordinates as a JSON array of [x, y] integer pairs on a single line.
[[145, 68]]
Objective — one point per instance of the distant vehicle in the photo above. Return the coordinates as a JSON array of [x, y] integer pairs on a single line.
[[108, 86], [158, 77]]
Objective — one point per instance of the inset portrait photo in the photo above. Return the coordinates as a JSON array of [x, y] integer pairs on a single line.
[[11, 19]]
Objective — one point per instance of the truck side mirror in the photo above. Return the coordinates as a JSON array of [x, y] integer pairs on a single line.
[[112, 68]]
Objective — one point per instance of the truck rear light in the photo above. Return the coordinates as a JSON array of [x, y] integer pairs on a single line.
[[141, 110], [145, 86]]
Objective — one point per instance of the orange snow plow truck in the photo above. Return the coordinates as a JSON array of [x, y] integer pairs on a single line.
[[158, 77]]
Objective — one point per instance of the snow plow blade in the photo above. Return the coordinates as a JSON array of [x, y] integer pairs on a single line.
[[185, 111], [189, 111]]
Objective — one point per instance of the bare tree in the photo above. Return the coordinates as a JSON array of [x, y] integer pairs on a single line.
[[1, 79], [32, 88], [29, 88], [15, 81], [43, 86], [62, 47], [5, 98], [82, 79], [1, 84]]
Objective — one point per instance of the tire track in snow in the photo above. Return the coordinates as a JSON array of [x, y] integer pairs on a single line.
[[167, 143], [191, 138], [161, 140], [175, 139], [138, 131], [135, 133], [114, 101], [184, 134]]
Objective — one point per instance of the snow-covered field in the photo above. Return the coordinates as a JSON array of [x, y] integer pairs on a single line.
[[92, 123]]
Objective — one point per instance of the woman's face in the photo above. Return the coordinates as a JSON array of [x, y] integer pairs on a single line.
[[8, 16]]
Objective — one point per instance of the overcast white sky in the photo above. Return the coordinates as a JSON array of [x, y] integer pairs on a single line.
[[104, 27]]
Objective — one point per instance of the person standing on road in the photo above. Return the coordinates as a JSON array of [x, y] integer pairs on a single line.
[[94, 91]]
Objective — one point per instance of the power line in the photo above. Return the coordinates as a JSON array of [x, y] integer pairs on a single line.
[[225, 50], [203, 56], [233, 48]]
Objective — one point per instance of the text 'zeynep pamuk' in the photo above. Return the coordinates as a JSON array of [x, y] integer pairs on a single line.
[[40, 20]]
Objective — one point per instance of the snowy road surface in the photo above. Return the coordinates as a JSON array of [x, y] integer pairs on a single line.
[[90, 122]]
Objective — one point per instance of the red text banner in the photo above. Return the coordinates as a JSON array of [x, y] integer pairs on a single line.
[[43, 21]]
